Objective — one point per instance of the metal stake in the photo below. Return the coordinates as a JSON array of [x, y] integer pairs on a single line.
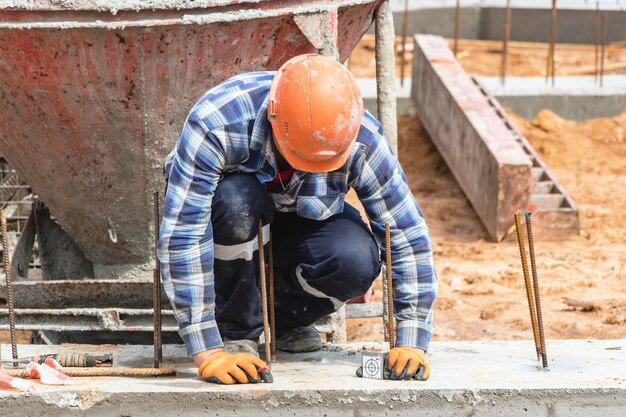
[[156, 288], [9, 283], [505, 42], [602, 49], [263, 282], [271, 301], [596, 62], [533, 266], [529, 290], [550, 63], [388, 280], [457, 12], [405, 22]]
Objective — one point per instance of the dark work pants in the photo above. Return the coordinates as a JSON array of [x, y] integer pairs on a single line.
[[318, 264]]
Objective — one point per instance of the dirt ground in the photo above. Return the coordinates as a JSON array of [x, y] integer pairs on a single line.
[[582, 280], [525, 59]]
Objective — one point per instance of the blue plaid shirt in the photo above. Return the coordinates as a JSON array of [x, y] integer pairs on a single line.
[[227, 130]]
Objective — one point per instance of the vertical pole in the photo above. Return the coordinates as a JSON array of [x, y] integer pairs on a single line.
[[533, 267], [388, 279], [457, 13], [385, 74], [263, 282], [527, 282], [553, 38], [9, 282], [505, 42], [272, 318], [551, 41], [596, 62], [405, 23], [386, 98], [156, 288], [602, 49]]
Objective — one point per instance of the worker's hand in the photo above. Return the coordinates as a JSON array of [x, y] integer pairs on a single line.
[[224, 368], [404, 363]]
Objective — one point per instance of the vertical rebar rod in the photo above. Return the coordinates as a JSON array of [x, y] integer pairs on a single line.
[[263, 283], [596, 62], [457, 13], [388, 279], [550, 60], [533, 268], [405, 23], [156, 288], [272, 296], [9, 282], [386, 74], [505, 42], [527, 282], [602, 48]]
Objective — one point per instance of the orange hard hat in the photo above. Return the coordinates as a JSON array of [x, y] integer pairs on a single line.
[[315, 108]]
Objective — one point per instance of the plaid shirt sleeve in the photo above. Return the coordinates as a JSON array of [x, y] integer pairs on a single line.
[[381, 185], [186, 242]]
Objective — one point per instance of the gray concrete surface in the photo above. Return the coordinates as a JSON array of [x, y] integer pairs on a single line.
[[404, 105], [576, 98], [483, 19], [586, 378]]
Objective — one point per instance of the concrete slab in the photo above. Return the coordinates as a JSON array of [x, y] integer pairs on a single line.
[[576, 98], [586, 377]]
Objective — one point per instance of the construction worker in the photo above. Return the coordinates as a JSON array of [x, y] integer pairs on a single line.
[[283, 148]]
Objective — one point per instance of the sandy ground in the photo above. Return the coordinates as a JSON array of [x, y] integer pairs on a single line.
[[525, 59], [481, 285]]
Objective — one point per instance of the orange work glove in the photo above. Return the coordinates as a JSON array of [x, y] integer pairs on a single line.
[[406, 363], [224, 368]]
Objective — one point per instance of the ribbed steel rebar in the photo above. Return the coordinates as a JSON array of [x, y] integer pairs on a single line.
[[405, 23], [96, 372], [9, 283], [533, 267], [505, 42], [271, 300], [388, 279], [156, 288], [263, 282], [457, 12], [596, 43], [528, 283], [602, 48]]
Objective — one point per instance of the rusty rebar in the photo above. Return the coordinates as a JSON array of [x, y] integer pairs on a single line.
[[263, 282], [596, 44], [552, 40], [505, 42], [457, 12], [533, 268], [271, 300], [405, 23], [389, 281], [156, 288], [9, 283], [527, 281], [602, 48], [97, 372]]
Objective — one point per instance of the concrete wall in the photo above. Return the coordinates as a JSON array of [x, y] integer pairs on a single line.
[[483, 19]]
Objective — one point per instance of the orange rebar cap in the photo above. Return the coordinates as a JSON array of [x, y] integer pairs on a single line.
[[315, 108]]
